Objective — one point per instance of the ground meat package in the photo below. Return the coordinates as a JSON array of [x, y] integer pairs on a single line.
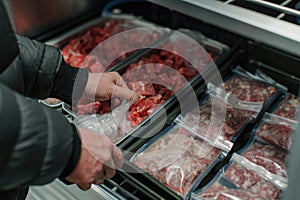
[[260, 173], [276, 130], [289, 107], [250, 88], [176, 159], [223, 189], [217, 121], [271, 158]]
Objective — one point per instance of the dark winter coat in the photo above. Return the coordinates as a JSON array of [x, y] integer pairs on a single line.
[[37, 143]]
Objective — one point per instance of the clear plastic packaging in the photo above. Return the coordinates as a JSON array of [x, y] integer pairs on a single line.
[[248, 87], [266, 168], [268, 156], [114, 125], [219, 141], [223, 189], [289, 107], [248, 179], [207, 122], [259, 173], [277, 130], [176, 159], [243, 179], [232, 100]]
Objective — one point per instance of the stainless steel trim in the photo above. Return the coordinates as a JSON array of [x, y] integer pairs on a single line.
[[103, 191], [285, 2], [277, 7], [59, 191], [229, 1], [258, 27]]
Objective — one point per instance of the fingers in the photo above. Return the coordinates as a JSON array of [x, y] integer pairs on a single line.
[[121, 90], [109, 171], [120, 82], [125, 93], [84, 187], [117, 157], [117, 79], [99, 181]]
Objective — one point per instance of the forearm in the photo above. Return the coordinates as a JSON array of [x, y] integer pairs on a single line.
[[69, 83]]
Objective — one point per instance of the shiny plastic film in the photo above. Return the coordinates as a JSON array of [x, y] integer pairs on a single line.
[[113, 124], [205, 122], [224, 189], [248, 87], [233, 101], [243, 179], [279, 181], [289, 107], [176, 159], [277, 130], [219, 142]]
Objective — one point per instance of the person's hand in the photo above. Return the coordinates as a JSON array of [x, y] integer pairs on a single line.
[[98, 160], [103, 86]]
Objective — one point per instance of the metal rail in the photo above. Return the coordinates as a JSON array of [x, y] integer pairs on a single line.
[[280, 8]]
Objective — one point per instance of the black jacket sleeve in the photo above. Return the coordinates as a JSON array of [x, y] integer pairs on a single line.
[[39, 72], [37, 143]]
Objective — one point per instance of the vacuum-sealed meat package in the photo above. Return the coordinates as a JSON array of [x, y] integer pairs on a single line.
[[176, 159], [289, 107], [269, 157], [277, 130], [223, 189]]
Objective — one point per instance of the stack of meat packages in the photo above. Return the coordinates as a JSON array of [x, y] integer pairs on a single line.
[[273, 137]]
